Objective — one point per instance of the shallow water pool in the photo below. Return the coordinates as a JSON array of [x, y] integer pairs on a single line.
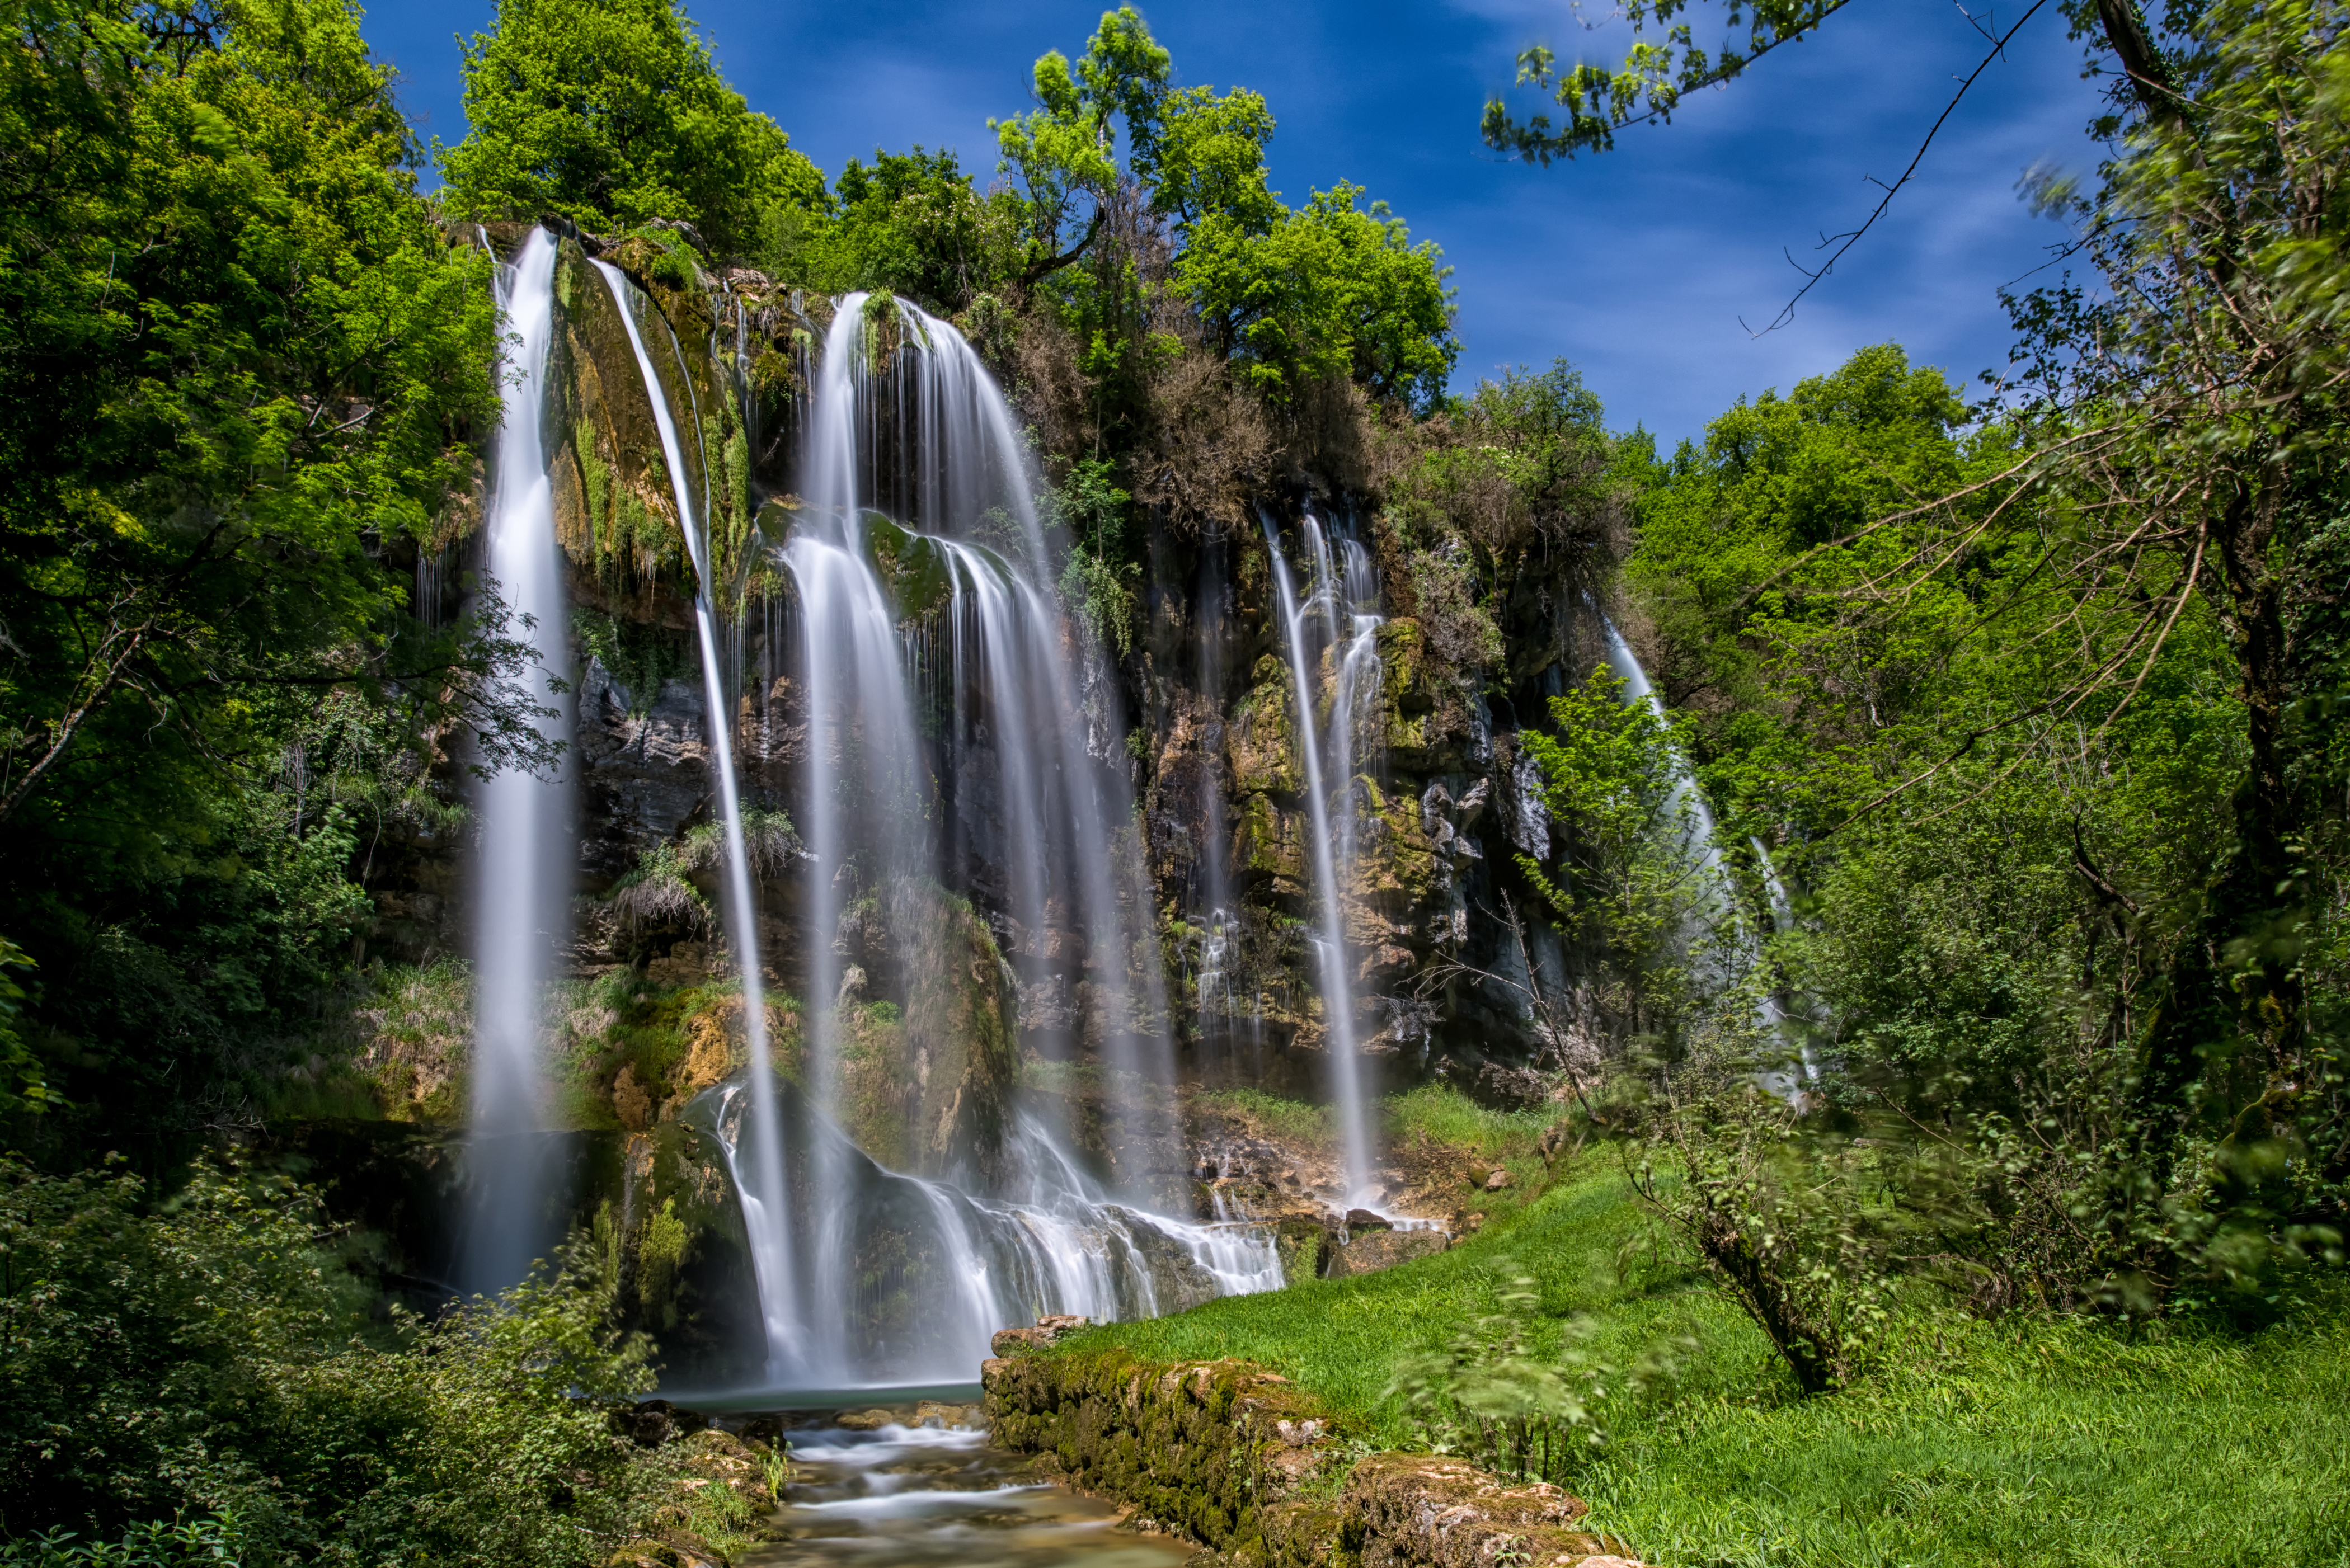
[[909, 1497]]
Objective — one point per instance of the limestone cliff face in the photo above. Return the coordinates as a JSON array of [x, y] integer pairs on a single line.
[[935, 1021], [1437, 801]]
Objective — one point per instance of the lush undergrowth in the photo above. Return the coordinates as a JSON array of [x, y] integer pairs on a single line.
[[2025, 1441]]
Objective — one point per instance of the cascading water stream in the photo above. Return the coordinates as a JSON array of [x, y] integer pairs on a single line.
[[767, 1219], [1735, 949], [1686, 801], [522, 904], [1327, 849], [1783, 918], [1041, 1236], [956, 470]]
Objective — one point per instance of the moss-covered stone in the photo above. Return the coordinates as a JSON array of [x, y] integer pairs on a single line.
[[1271, 851], [616, 508], [1198, 1446], [1396, 867], [1231, 1455], [1261, 739], [911, 567], [1426, 1511], [926, 1084]]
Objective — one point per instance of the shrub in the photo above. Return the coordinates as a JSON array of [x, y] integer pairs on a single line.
[[192, 1381]]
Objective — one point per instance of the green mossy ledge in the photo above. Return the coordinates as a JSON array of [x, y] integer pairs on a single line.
[[1243, 1460]]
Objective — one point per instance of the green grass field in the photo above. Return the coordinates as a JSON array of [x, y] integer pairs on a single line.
[[2027, 1440]]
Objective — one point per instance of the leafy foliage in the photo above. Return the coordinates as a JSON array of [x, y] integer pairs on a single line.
[[1652, 79], [1097, 584], [204, 1362], [912, 224], [241, 375], [1328, 292], [615, 116], [1492, 1395], [1635, 882]]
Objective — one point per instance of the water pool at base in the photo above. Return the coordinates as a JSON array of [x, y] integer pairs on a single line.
[[913, 1497]]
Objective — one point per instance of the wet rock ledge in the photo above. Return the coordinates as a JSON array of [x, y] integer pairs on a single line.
[[1241, 1459]]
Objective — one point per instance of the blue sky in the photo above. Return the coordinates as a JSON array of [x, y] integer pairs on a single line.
[[1638, 265]]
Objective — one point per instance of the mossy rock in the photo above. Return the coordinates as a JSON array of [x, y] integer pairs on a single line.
[[926, 1084], [1269, 852], [1395, 865], [1260, 737], [912, 567], [1199, 1447], [615, 509]]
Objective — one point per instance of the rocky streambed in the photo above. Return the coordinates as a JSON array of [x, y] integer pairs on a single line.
[[911, 1496]]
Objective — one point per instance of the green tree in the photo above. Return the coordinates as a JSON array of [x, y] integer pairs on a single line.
[[241, 370], [1326, 292], [612, 113], [910, 223], [2173, 462], [1634, 883], [1063, 152]]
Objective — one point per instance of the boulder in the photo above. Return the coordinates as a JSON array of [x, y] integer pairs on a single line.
[[1364, 1219], [1425, 1510], [1497, 1180], [1376, 1250], [649, 1423], [1048, 1329], [951, 1417], [871, 1420]]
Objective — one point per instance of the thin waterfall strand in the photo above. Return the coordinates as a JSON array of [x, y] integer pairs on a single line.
[[1330, 947], [771, 1249]]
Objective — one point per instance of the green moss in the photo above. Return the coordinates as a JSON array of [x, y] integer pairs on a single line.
[[618, 1020], [640, 657], [1261, 740], [911, 567], [1264, 851], [1282, 1120], [1195, 1447], [594, 481], [412, 1034]]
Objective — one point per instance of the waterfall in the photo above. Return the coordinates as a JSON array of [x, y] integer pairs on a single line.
[[949, 738], [1700, 833], [906, 417], [1215, 900], [1686, 801], [767, 1218], [1333, 853], [522, 875], [1774, 1011]]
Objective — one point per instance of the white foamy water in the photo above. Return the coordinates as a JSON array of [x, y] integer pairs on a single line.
[[523, 870]]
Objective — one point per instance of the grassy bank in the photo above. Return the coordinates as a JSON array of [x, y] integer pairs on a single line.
[[2022, 1441]]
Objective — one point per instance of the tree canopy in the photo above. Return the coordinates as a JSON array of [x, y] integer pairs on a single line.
[[242, 368], [615, 115]]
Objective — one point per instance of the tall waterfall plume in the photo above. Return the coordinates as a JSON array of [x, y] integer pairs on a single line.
[[1730, 946], [950, 743], [522, 872], [913, 452]]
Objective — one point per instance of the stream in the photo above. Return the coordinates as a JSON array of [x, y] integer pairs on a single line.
[[908, 1497]]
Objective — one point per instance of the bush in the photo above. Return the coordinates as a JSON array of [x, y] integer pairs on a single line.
[[197, 1377]]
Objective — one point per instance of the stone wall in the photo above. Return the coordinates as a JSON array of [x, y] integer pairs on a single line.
[[1246, 1462]]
